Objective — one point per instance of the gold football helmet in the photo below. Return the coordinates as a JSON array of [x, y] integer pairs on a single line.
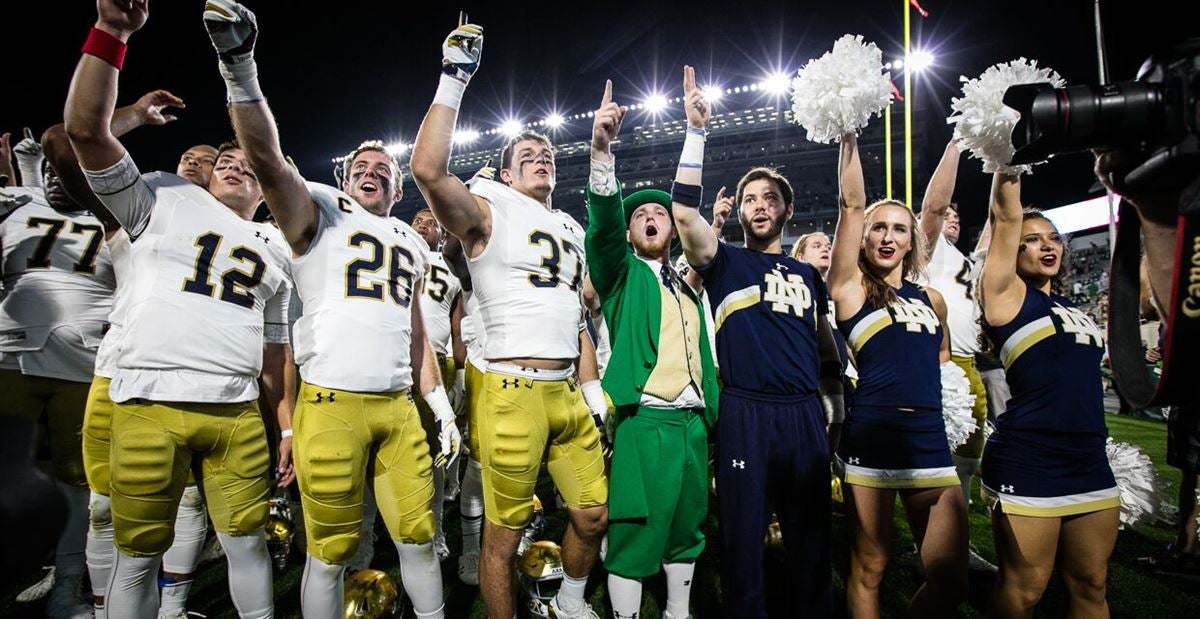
[[371, 594]]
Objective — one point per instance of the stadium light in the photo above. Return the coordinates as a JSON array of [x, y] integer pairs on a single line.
[[655, 103], [920, 60], [898, 64], [465, 136], [713, 93], [396, 149], [555, 120], [776, 84], [511, 127]]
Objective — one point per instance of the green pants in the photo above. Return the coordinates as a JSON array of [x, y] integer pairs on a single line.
[[658, 491]]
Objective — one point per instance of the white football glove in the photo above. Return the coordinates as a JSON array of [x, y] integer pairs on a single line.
[[232, 28], [461, 51], [29, 160], [448, 435]]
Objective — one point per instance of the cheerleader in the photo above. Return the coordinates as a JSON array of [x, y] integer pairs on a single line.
[[894, 439], [1045, 465]]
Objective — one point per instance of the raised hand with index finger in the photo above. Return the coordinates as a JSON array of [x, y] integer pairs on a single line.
[[694, 103], [607, 122]]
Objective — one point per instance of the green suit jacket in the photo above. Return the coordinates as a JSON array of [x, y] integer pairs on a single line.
[[632, 305]]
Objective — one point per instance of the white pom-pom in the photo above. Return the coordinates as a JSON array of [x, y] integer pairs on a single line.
[[1136, 480], [839, 92], [983, 124], [957, 402]]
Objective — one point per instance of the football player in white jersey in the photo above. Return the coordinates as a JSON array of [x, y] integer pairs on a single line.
[[58, 280], [185, 392], [179, 561], [526, 262], [441, 306], [360, 343], [955, 276]]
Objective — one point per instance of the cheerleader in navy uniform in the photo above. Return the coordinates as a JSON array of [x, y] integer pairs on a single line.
[[1045, 464], [894, 438]]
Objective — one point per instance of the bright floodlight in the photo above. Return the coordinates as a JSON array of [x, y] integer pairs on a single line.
[[776, 84], [898, 64], [655, 103], [713, 93], [920, 60], [555, 120], [396, 149], [465, 136], [511, 127]]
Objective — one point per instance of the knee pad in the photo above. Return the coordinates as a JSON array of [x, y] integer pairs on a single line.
[[142, 479]]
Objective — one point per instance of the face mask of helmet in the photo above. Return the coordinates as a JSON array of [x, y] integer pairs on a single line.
[[540, 571]]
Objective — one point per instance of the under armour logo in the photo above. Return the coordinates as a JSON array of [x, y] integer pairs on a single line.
[[259, 235], [852, 461], [321, 397], [397, 231], [1006, 488], [780, 266], [509, 383], [739, 464], [566, 226]]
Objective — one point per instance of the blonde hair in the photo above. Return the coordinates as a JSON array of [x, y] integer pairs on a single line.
[[802, 243], [879, 292]]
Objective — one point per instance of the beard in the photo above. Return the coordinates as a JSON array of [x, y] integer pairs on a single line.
[[767, 237], [653, 248]]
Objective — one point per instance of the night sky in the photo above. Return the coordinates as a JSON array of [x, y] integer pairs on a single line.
[[338, 73]]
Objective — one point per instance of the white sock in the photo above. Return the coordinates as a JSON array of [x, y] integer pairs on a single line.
[[679, 587], [191, 523], [625, 594], [69, 558], [322, 589], [470, 506], [133, 587], [250, 583], [174, 596], [100, 544], [965, 467], [570, 594], [421, 574]]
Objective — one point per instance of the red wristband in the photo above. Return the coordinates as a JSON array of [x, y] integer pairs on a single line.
[[106, 47]]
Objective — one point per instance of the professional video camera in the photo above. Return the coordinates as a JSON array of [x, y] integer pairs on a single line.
[[1156, 115], [1154, 123]]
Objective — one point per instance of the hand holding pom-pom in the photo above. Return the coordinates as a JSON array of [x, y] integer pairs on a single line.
[[983, 124], [1137, 482], [839, 92]]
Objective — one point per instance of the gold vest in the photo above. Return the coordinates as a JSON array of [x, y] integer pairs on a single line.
[[678, 362]]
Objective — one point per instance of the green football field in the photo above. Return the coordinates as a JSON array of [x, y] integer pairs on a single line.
[[1133, 590]]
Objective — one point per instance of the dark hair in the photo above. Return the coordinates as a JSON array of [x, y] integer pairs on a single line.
[[375, 146], [506, 153], [227, 145], [771, 174], [879, 292]]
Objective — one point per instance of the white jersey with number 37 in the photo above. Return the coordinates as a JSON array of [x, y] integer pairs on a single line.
[[203, 286], [58, 283], [356, 283], [528, 277]]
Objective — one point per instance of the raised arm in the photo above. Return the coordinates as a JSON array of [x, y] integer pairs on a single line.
[[93, 92], [148, 110], [938, 194], [695, 234], [1001, 290], [606, 239], [233, 30], [845, 278], [459, 212]]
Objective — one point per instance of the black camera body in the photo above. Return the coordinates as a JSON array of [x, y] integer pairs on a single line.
[[1154, 118]]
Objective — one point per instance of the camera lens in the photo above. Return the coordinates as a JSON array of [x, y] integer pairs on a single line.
[[1056, 120]]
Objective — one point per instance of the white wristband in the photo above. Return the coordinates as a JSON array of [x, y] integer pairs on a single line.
[[241, 81], [449, 92], [460, 376], [440, 405], [693, 150], [286, 433], [593, 396]]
